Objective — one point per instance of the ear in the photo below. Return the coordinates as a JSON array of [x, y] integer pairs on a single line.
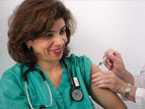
[[29, 43]]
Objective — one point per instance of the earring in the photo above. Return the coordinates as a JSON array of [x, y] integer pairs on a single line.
[[30, 49]]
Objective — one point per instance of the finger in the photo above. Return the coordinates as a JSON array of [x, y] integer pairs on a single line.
[[98, 83], [111, 54], [101, 81], [99, 76], [103, 86], [108, 63], [106, 85], [95, 80], [115, 53], [109, 51], [95, 75]]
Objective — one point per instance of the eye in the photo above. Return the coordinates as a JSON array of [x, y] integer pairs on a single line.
[[48, 35], [62, 31]]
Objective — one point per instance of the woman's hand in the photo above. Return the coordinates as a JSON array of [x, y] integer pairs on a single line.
[[107, 80]]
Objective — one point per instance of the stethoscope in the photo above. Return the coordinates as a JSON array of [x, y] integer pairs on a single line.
[[75, 92]]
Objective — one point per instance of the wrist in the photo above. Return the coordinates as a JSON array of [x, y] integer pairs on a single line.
[[120, 73], [126, 76], [128, 91], [125, 90], [123, 72]]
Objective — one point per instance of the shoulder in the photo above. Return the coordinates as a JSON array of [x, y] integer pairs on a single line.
[[15, 70], [12, 75], [12, 90], [83, 63], [82, 66], [76, 59]]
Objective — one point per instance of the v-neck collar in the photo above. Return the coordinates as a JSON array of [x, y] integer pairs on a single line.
[[61, 81]]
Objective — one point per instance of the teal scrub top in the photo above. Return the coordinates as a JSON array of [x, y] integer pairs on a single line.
[[13, 94]]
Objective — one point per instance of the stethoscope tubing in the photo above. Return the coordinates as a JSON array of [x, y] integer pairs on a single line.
[[74, 87], [26, 86]]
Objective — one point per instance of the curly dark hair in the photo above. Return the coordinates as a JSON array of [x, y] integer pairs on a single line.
[[32, 18]]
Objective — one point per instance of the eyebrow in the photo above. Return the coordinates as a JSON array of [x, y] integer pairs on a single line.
[[56, 31]]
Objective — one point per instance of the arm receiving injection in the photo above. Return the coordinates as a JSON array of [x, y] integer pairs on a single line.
[[117, 78]]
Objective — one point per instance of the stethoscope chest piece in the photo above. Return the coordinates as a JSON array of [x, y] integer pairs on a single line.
[[76, 94]]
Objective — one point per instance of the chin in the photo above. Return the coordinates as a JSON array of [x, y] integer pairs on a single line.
[[58, 57]]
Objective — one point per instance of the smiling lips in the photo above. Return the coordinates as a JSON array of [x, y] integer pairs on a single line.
[[57, 51]]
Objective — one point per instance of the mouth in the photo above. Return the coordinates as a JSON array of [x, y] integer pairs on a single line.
[[57, 51]]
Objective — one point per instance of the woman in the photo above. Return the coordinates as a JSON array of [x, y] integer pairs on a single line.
[[45, 76]]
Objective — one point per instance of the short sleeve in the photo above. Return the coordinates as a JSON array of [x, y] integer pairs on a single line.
[[86, 70], [84, 64], [11, 95]]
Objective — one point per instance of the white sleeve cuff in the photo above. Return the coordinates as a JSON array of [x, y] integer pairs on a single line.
[[140, 96]]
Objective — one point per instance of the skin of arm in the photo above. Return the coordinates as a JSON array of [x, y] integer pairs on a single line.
[[105, 97]]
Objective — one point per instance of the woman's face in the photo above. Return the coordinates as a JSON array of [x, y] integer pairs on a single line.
[[50, 46]]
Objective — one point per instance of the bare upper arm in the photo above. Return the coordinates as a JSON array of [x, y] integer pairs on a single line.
[[105, 97]]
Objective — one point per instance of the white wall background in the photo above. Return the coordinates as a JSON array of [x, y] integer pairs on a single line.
[[6, 9], [118, 24], [102, 24]]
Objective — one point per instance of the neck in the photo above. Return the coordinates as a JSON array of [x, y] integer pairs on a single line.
[[49, 66]]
